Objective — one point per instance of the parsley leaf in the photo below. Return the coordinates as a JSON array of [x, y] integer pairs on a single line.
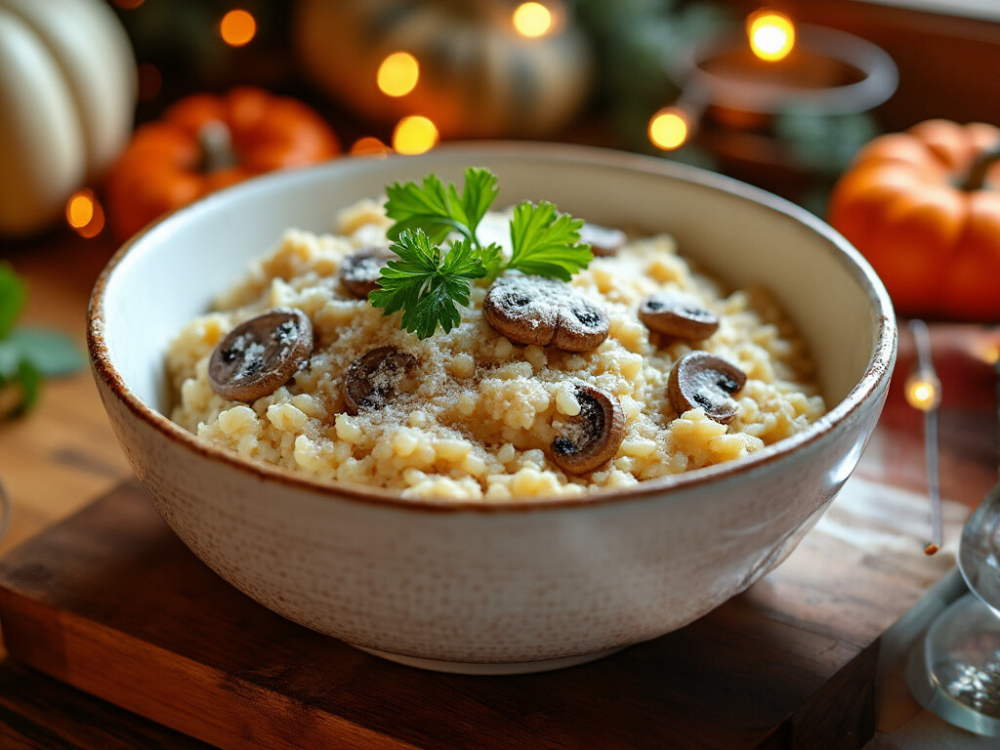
[[545, 243], [492, 257], [439, 210], [427, 285], [478, 194], [425, 208]]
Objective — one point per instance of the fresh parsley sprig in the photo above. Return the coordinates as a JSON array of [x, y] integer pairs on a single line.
[[429, 283], [545, 243], [437, 209], [426, 284]]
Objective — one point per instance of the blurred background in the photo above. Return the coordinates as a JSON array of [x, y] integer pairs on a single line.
[[681, 79]]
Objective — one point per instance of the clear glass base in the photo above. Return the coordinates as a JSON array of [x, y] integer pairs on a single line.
[[956, 674]]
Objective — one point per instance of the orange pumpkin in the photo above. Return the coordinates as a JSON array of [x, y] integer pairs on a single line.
[[207, 142], [924, 208]]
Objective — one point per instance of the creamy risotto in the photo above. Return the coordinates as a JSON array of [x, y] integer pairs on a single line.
[[473, 415]]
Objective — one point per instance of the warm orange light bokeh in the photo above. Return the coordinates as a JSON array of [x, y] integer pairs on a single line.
[[84, 214], [414, 135], [398, 74], [987, 351], [668, 129], [923, 391], [532, 20], [771, 34], [237, 28], [369, 146], [80, 209]]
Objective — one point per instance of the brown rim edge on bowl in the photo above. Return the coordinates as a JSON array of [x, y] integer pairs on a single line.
[[879, 365]]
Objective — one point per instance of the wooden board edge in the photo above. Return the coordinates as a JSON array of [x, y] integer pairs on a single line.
[[826, 722], [78, 652]]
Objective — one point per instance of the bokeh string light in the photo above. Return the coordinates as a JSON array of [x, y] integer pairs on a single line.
[[987, 349], [923, 391], [669, 128], [398, 74], [237, 28], [532, 20], [414, 134], [771, 35], [84, 213]]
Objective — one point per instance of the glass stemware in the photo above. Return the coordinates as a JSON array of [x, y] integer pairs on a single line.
[[956, 674]]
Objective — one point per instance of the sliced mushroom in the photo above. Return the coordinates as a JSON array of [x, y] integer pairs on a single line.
[[679, 316], [359, 272], [373, 379], [603, 241], [261, 355], [593, 436], [700, 379], [536, 310]]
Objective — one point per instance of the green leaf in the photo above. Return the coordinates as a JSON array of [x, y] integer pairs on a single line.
[[31, 382], [437, 305], [425, 208], [12, 297], [492, 260], [51, 352], [437, 209], [19, 390], [478, 194], [463, 260], [400, 280], [425, 285], [546, 243], [429, 285]]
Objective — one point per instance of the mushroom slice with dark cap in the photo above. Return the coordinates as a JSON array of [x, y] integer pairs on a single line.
[[537, 310], [261, 355], [678, 315], [372, 380], [359, 271], [700, 379], [593, 436], [603, 241]]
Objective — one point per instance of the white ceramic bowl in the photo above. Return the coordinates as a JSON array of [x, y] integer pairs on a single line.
[[518, 586]]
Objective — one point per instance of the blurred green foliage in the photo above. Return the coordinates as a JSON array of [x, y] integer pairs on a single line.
[[27, 355]]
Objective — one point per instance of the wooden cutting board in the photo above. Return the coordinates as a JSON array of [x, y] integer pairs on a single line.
[[112, 603]]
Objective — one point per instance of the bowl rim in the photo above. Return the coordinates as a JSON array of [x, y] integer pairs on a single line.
[[875, 376]]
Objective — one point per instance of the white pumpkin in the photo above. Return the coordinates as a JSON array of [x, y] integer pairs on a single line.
[[67, 99]]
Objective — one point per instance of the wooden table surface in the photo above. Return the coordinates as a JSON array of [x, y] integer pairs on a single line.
[[63, 454]]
